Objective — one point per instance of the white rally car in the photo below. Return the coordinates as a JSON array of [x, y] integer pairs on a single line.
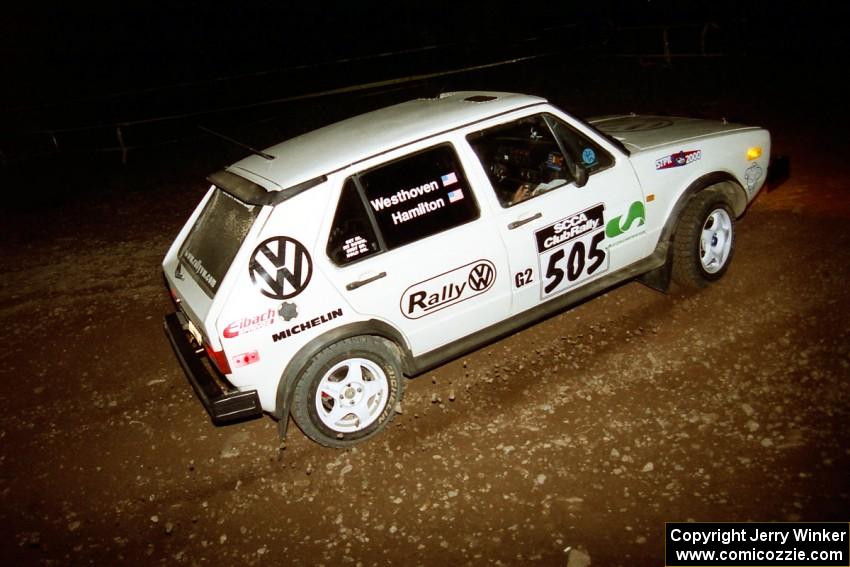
[[315, 275]]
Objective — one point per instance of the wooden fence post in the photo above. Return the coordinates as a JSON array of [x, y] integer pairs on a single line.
[[120, 136]]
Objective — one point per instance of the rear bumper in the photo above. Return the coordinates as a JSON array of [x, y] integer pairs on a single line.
[[224, 404]]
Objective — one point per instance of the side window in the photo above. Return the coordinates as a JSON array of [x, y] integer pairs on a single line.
[[583, 150], [526, 158], [352, 235], [522, 159], [419, 195]]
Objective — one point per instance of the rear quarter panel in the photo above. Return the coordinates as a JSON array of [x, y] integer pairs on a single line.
[[274, 325]]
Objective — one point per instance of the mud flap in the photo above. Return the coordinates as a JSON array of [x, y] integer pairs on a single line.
[[282, 426], [659, 278]]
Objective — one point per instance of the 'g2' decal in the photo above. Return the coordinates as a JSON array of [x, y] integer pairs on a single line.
[[523, 278], [280, 267], [569, 250]]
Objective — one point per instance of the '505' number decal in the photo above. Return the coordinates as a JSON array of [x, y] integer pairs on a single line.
[[568, 265]]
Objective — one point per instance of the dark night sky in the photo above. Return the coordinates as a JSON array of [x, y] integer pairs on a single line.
[[68, 65], [51, 51], [121, 46]]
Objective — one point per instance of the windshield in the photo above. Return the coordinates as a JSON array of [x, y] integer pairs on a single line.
[[216, 237]]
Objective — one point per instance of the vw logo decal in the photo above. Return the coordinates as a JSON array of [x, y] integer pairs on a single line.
[[280, 267], [481, 276]]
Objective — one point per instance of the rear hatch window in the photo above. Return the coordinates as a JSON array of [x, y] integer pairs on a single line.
[[216, 237]]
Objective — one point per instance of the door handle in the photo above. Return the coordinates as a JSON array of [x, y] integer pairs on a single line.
[[519, 223], [360, 283]]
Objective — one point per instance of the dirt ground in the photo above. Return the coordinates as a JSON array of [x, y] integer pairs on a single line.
[[586, 432]]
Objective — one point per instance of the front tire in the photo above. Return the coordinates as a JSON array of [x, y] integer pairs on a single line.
[[704, 241], [348, 392]]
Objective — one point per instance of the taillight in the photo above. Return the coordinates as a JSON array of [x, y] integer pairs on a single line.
[[219, 359], [171, 292]]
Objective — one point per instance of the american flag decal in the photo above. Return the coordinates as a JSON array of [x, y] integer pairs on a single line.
[[455, 195]]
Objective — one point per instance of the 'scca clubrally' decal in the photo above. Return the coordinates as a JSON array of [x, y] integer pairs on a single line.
[[280, 267], [569, 251], [447, 289]]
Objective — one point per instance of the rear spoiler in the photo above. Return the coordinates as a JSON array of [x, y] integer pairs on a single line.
[[249, 192]]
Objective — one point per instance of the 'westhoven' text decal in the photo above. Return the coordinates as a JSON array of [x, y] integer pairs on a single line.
[[422, 208]]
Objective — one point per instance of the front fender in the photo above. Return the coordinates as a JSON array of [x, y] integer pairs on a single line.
[[721, 181]]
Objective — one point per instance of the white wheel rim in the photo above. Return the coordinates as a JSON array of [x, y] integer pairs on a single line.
[[352, 395], [715, 243]]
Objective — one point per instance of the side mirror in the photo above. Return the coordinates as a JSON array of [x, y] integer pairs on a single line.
[[580, 175]]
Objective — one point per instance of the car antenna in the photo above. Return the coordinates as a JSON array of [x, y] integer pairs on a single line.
[[238, 143]]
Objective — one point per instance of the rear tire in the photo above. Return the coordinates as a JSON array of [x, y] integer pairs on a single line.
[[704, 241], [348, 392]]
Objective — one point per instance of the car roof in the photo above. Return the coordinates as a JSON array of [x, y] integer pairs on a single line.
[[339, 145]]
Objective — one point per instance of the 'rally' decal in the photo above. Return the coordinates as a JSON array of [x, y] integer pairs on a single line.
[[280, 267], [447, 289], [570, 251], [616, 226], [678, 159]]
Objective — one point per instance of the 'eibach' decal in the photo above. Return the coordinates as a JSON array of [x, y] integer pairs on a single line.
[[246, 325], [569, 250], [678, 159]]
